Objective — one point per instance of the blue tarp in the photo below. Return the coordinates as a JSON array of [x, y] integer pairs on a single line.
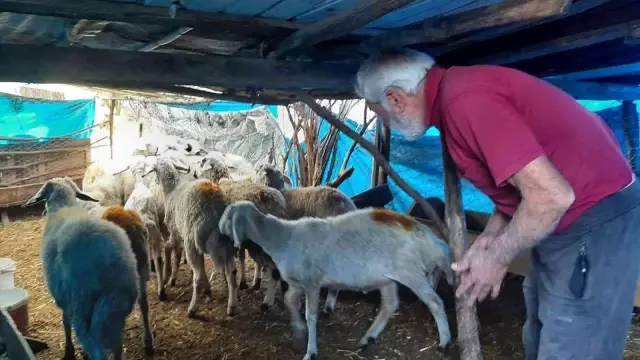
[[29, 118], [224, 106], [418, 163]]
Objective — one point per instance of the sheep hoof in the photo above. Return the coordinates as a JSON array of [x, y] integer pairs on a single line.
[[172, 282], [191, 314], [444, 348], [207, 292], [326, 312], [148, 350], [368, 345], [243, 285], [162, 296], [264, 308], [69, 355], [312, 356], [231, 312]]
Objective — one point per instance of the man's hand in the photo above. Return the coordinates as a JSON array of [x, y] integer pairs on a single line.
[[480, 272]]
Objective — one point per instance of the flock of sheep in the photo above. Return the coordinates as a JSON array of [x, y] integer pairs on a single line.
[[100, 243]]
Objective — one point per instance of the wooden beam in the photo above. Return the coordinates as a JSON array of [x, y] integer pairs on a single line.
[[575, 9], [51, 64], [627, 69], [468, 338], [112, 110], [630, 130], [141, 14], [385, 150], [384, 164], [566, 43], [596, 90], [364, 12], [438, 29]]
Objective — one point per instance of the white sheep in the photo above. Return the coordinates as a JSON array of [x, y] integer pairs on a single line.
[[361, 250], [109, 182], [89, 268], [142, 201]]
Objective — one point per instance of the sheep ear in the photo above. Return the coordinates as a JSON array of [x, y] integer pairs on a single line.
[[84, 196], [183, 169], [286, 180], [40, 196], [123, 170]]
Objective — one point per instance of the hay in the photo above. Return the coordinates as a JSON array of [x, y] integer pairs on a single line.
[[411, 333]]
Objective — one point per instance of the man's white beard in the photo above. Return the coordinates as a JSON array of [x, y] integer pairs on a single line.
[[410, 128]]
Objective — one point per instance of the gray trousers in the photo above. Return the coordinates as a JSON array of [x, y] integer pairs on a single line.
[[560, 325]]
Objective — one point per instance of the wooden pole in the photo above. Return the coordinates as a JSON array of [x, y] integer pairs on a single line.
[[375, 169], [385, 149], [468, 339], [333, 120], [630, 129], [112, 106]]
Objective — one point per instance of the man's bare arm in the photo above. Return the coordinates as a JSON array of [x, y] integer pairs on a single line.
[[496, 223], [546, 196]]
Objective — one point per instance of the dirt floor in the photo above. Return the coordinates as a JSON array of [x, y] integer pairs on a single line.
[[411, 334]]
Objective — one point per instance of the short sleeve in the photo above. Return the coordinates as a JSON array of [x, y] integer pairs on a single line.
[[494, 132]]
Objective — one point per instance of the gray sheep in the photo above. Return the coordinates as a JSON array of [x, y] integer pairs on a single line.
[[361, 250], [81, 251], [316, 201]]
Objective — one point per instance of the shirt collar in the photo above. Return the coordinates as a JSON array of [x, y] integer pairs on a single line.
[[432, 87]]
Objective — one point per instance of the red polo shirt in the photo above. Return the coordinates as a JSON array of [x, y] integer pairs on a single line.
[[497, 120]]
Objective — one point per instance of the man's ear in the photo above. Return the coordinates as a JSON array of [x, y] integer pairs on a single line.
[[397, 99]]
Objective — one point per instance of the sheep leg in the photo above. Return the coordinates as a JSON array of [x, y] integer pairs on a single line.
[[166, 273], [243, 269], [330, 302], [230, 274], [388, 305], [292, 302], [200, 284], [176, 264], [427, 295], [143, 302], [258, 273], [311, 314], [154, 247], [270, 297], [69, 352]]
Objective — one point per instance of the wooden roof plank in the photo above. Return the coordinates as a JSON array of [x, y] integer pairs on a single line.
[[565, 43], [51, 64], [338, 25], [506, 12], [137, 14]]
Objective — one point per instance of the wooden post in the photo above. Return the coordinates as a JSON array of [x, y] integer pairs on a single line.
[[375, 169], [385, 149], [468, 339], [112, 106], [630, 129], [5, 218]]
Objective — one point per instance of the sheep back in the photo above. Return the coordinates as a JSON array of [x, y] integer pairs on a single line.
[[87, 261], [266, 199], [137, 233], [193, 211], [319, 201]]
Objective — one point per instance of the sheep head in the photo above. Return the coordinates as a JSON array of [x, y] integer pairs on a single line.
[[59, 192], [234, 219]]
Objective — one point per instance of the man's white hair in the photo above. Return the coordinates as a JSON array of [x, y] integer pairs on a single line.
[[403, 69]]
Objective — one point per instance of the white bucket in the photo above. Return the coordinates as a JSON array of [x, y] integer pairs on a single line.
[[16, 302], [7, 273]]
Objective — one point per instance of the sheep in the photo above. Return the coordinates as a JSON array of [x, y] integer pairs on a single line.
[[172, 246], [318, 201], [361, 250], [108, 182], [269, 201], [89, 268], [192, 214], [142, 201]]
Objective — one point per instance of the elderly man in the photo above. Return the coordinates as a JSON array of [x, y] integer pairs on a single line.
[[561, 187]]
